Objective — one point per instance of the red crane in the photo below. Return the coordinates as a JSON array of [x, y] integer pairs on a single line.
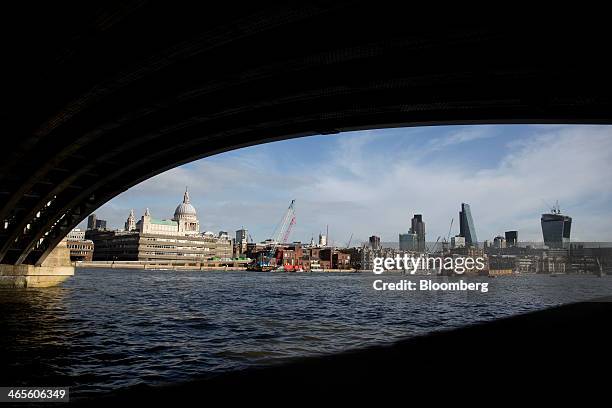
[[280, 236]]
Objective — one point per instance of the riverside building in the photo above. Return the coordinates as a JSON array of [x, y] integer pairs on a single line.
[[466, 225], [81, 249], [418, 228], [160, 240], [556, 228]]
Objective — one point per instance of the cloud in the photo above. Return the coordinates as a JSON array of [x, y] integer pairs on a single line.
[[365, 184], [462, 135]]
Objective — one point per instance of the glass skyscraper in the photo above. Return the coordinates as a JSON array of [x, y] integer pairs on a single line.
[[466, 225], [418, 228], [375, 242], [408, 242], [511, 238], [556, 229]]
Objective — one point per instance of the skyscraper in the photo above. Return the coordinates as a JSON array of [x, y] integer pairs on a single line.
[[241, 236], [408, 242], [91, 222], [418, 228], [511, 238], [375, 242], [499, 242], [466, 225], [95, 223], [556, 228], [241, 243]]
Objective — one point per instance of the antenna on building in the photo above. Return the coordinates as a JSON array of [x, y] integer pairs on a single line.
[[554, 209]]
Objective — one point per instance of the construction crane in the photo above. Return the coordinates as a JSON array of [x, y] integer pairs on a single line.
[[287, 224], [349, 241], [281, 235], [446, 239], [433, 249]]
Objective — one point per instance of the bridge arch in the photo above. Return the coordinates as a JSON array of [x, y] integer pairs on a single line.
[[105, 97]]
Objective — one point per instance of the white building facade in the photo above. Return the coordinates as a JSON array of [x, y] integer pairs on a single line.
[[184, 222], [152, 239]]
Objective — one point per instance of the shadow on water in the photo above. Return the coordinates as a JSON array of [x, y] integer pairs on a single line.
[[34, 324], [108, 330]]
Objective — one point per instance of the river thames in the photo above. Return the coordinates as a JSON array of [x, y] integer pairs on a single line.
[[106, 329]]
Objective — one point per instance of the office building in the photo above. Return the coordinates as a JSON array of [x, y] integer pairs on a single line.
[[556, 228], [511, 238], [91, 222], [136, 246], [242, 240], [499, 242], [374, 242], [81, 249], [408, 242], [457, 242], [76, 235], [94, 223], [418, 228], [242, 235], [466, 225]]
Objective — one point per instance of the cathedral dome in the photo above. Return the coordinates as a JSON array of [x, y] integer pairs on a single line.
[[185, 209]]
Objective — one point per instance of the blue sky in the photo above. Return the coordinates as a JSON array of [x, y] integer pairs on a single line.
[[372, 182]]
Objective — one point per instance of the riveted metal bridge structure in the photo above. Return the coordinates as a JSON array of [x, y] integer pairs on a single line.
[[98, 97]]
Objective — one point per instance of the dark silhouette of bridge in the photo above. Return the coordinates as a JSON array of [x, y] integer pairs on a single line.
[[98, 98]]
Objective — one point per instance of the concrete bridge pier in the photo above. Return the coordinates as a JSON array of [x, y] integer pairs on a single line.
[[55, 269]]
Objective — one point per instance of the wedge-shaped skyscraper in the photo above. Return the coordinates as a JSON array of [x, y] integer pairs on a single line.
[[556, 228], [466, 225]]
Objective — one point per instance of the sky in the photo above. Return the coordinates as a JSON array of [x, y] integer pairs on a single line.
[[372, 182]]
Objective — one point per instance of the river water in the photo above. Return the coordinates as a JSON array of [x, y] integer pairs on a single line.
[[105, 329]]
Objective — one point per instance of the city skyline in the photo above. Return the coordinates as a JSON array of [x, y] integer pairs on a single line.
[[507, 173]]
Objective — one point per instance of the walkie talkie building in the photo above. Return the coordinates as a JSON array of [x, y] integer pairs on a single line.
[[556, 229]]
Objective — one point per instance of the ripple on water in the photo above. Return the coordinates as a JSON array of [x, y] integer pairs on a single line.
[[105, 329]]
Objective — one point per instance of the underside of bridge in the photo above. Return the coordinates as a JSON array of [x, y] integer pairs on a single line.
[[98, 98]]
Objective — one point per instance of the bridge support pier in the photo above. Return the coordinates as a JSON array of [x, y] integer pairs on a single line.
[[54, 270]]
